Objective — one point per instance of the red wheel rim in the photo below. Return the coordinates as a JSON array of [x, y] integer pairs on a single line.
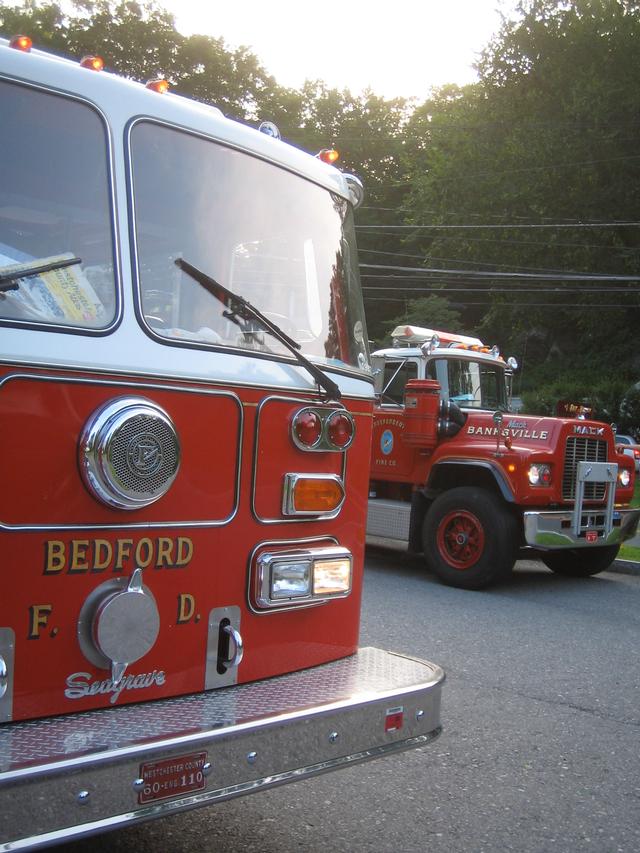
[[460, 539]]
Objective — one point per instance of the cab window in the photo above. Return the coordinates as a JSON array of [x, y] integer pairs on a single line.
[[396, 376], [56, 235]]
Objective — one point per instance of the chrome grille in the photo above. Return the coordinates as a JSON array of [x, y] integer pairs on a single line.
[[136, 473], [582, 449]]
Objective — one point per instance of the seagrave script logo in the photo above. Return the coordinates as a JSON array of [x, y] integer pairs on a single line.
[[79, 684]]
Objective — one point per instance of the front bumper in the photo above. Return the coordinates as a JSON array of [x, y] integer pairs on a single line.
[[64, 777], [555, 529]]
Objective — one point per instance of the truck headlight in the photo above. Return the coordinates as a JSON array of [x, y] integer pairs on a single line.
[[290, 579], [624, 477], [301, 577], [332, 576], [539, 474]]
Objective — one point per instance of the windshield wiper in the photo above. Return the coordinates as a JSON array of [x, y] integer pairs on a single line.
[[239, 309], [37, 267]]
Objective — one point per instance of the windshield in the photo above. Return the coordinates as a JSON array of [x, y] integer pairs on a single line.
[[470, 384], [55, 212], [283, 243]]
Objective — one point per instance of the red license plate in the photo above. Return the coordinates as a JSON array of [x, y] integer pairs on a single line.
[[172, 777]]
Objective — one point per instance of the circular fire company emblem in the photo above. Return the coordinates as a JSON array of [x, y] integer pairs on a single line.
[[144, 455], [386, 442]]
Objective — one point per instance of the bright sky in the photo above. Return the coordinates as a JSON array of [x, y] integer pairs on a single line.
[[395, 47]]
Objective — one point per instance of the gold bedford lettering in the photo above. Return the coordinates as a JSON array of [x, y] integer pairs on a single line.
[[83, 556]]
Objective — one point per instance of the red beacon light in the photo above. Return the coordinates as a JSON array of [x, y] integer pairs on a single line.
[[159, 86], [93, 63], [22, 43], [328, 155]]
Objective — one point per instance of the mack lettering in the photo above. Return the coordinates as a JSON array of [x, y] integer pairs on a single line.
[[122, 556]]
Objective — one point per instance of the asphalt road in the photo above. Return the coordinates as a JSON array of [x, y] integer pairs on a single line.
[[541, 745]]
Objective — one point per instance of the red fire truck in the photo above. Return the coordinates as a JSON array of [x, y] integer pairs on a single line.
[[457, 476], [186, 406]]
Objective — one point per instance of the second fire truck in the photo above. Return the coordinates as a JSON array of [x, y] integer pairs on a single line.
[[456, 475]]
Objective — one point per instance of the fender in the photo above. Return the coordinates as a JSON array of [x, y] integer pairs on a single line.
[[494, 470]]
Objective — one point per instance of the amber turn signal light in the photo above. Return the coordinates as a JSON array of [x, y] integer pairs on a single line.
[[328, 155], [312, 494], [93, 63], [159, 86]]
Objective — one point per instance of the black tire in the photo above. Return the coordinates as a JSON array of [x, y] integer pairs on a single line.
[[580, 562], [469, 538]]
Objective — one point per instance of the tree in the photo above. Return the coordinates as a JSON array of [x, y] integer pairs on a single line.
[[433, 312], [140, 41], [548, 135]]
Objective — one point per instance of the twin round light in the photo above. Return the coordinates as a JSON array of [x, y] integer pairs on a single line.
[[323, 429]]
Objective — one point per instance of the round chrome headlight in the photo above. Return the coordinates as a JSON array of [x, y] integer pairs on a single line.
[[129, 453], [624, 477]]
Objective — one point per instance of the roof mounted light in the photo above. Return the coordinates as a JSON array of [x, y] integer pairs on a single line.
[[356, 190], [328, 155], [160, 86], [432, 344], [93, 63], [22, 43], [270, 129]]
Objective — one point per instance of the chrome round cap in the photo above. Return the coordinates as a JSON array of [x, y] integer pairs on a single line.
[[126, 626]]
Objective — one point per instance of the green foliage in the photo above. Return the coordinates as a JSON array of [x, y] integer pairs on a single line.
[[139, 40], [433, 311], [604, 394], [548, 135]]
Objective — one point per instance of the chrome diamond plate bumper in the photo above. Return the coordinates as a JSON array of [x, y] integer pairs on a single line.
[[554, 529], [64, 777]]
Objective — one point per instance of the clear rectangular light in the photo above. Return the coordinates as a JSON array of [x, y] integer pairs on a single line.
[[332, 577], [291, 579]]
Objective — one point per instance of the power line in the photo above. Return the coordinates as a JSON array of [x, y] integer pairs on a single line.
[[517, 305], [494, 275], [509, 226], [508, 242], [499, 289], [485, 214], [464, 261]]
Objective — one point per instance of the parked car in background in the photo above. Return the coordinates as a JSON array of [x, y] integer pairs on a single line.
[[631, 448]]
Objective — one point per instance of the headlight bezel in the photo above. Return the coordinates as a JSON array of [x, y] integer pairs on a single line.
[[323, 574]]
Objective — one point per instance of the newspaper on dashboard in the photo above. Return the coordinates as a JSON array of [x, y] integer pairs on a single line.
[[63, 295]]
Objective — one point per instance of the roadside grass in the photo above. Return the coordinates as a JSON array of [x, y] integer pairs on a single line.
[[631, 552]]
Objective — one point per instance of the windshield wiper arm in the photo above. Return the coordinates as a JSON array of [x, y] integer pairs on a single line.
[[7, 278], [238, 306]]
